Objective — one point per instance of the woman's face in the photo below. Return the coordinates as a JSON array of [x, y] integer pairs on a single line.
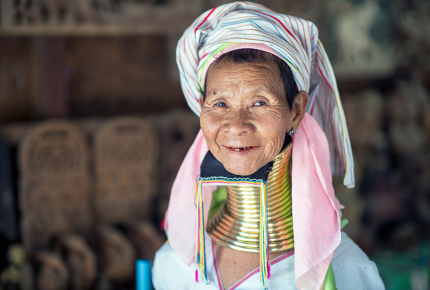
[[245, 115]]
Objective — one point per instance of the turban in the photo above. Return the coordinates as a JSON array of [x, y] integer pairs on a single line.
[[321, 143]]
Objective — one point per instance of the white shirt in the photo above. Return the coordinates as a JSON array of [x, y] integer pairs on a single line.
[[352, 270]]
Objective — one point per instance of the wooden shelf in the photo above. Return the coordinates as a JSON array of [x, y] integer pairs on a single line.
[[14, 132], [91, 30]]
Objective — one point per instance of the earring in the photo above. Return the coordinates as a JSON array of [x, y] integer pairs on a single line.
[[291, 132]]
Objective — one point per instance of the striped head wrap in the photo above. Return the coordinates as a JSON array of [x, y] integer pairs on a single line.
[[247, 25]]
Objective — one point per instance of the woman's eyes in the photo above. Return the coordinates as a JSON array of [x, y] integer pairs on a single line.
[[257, 104], [221, 104]]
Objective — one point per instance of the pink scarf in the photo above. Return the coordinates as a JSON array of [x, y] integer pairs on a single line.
[[316, 213]]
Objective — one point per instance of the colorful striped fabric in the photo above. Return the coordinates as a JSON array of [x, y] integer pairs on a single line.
[[247, 25]]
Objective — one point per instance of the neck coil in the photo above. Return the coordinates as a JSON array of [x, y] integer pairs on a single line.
[[236, 225]]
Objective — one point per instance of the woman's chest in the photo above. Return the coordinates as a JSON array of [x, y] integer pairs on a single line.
[[241, 270], [234, 265]]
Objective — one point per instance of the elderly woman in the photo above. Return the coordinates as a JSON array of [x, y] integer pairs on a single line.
[[253, 206]]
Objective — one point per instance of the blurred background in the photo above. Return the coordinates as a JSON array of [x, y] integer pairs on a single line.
[[94, 127]]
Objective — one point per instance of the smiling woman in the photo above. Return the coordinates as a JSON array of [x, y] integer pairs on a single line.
[[245, 110], [263, 213]]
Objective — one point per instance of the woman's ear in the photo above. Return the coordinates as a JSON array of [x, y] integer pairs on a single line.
[[201, 102], [299, 109]]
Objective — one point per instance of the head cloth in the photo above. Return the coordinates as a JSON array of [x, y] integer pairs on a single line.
[[247, 25]]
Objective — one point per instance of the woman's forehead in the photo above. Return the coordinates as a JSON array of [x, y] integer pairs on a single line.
[[252, 77]]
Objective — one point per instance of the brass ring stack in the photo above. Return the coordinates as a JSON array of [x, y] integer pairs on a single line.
[[236, 224]]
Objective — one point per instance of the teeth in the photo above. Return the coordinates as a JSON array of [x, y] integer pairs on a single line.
[[241, 149]]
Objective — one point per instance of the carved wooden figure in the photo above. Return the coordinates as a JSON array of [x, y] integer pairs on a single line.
[[145, 238], [117, 256], [51, 272], [80, 260], [126, 160], [55, 184], [177, 130]]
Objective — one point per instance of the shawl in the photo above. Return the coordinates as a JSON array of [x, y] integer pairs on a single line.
[[321, 145]]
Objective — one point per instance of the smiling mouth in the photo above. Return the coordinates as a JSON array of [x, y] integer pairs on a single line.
[[240, 148]]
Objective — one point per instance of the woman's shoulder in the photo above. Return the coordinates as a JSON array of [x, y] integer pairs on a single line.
[[169, 271], [353, 269], [165, 252]]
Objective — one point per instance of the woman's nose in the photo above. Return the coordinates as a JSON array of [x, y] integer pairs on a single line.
[[239, 122]]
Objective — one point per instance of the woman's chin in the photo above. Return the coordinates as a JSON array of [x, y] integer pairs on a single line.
[[244, 162]]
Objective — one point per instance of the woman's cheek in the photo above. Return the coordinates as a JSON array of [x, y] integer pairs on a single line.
[[210, 123], [273, 127], [273, 124]]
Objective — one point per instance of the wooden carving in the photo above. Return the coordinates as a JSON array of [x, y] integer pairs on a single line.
[[145, 238], [152, 14], [51, 272], [126, 160], [178, 129], [117, 256], [80, 260], [55, 183]]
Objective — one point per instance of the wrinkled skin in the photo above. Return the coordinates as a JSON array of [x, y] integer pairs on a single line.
[[246, 106]]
